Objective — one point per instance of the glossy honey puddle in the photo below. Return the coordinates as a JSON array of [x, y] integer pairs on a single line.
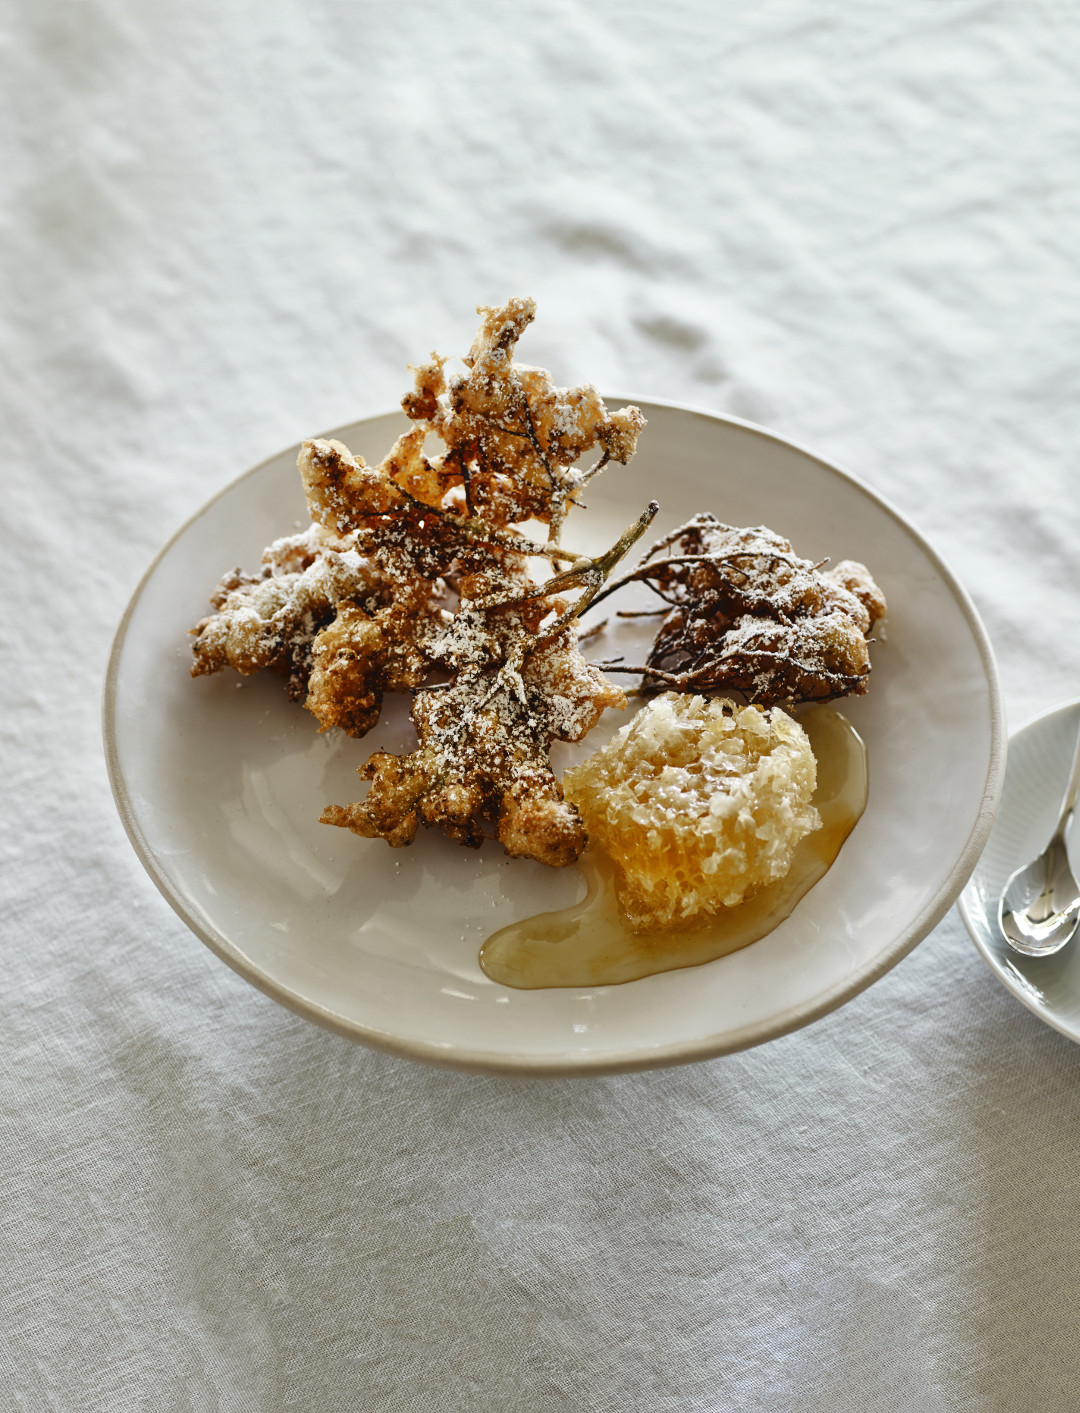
[[588, 944]]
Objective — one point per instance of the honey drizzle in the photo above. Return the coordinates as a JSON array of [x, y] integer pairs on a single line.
[[588, 944]]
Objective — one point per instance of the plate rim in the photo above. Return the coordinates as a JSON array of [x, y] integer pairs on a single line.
[[576, 1063], [1040, 1012]]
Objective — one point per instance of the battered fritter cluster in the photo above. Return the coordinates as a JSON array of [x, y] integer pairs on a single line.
[[412, 577], [747, 615]]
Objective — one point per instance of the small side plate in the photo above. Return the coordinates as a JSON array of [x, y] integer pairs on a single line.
[[1040, 753]]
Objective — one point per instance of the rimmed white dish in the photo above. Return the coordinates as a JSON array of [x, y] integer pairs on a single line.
[[220, 783], [1040, 753]]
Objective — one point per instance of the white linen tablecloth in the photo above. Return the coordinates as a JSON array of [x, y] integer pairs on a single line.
[[226, 226]]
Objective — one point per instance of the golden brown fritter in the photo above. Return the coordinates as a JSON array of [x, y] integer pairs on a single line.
[[366, 606], [271, 619], [512, 437], [365, 653], [482, 763], [517, 684]]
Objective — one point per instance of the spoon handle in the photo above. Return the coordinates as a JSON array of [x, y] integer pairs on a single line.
[[1072, 789]]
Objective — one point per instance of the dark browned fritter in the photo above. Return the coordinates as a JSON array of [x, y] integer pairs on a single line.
[[748, 615]]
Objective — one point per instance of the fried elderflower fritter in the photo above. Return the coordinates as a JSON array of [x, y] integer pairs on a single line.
[[327, 618], [365, 653], [512, 437], [270, 619], [483, 757], [748, 615], [518, 683], [359, 604]]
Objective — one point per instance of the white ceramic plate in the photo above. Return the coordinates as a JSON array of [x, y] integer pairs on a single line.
[[1040, 753], [220, 783]]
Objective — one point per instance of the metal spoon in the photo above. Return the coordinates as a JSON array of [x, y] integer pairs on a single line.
[[1039, 911]]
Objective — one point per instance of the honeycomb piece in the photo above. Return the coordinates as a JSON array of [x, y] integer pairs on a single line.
[[699, 802]]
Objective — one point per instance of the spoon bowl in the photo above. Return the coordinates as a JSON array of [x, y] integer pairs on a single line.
[[1039, 909]]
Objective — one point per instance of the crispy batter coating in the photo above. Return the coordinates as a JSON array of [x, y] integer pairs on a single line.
[[855, 579], [483, 761], [405, 535], [363, 654], [748, 615], [358, 606], [343, 490], [271, 619], [512, 437]]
